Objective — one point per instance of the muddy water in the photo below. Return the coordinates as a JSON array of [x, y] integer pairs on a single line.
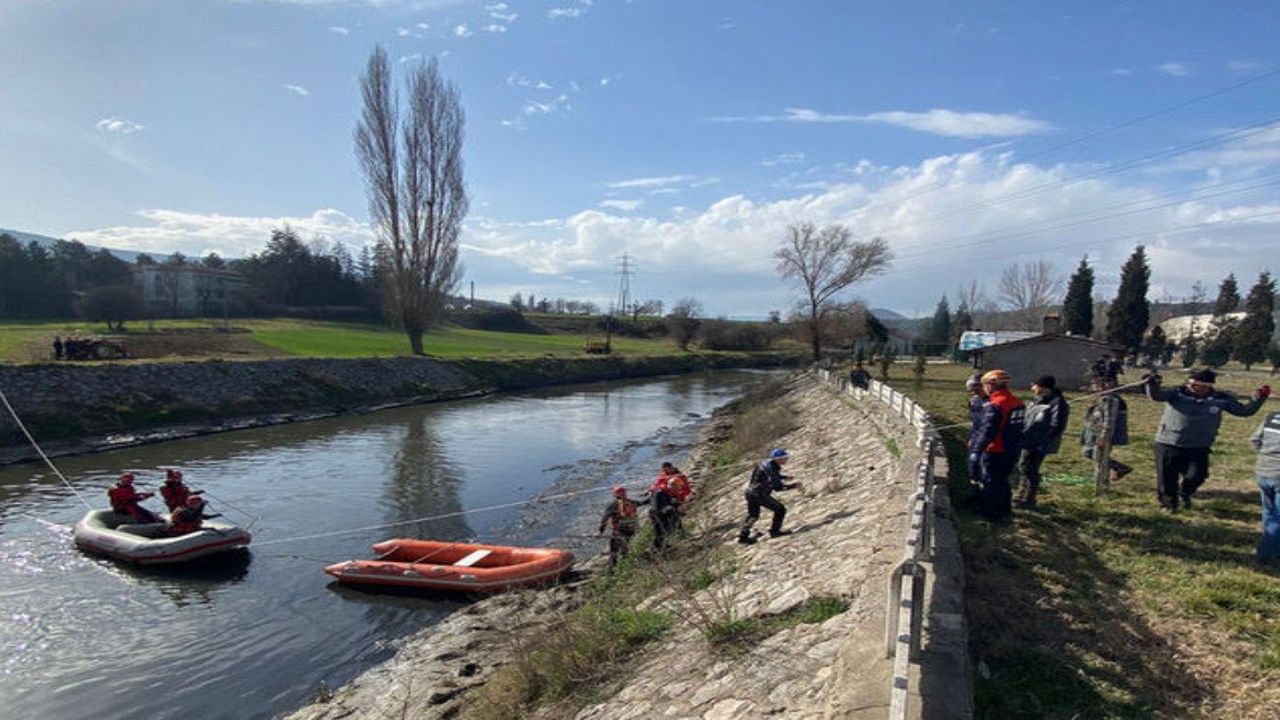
[[256, 635]]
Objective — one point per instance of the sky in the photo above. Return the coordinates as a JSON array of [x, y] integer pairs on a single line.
[[687, 135]]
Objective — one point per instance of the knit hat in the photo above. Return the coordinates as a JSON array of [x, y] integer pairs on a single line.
[[1047, 382]]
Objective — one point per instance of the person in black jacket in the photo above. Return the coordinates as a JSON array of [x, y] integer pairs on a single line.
[[977, 400], [859, 377], [766, 478], [1046, 421]]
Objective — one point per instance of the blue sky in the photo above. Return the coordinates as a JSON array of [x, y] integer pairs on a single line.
[[687, 134]]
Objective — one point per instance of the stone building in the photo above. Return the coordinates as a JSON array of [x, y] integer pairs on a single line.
[[1069, 358], [189, 290]]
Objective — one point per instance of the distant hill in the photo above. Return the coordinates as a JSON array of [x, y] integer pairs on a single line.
[[26, 238]]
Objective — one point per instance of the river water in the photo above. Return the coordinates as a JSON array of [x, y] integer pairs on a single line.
[[255, 635]]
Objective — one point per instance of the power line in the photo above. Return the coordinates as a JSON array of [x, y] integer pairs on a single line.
[[625, 270]]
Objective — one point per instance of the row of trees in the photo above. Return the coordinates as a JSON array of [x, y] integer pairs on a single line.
[[39, 282], [1030, 290]]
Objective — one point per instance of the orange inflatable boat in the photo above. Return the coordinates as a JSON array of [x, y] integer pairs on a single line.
[[463, 567]]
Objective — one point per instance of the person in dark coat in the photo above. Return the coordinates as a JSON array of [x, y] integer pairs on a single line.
[[999, 439], [663, 513], [859, 377], [1046, 421], [1192, 416], [57, 348], [977, 400], [766, 478]]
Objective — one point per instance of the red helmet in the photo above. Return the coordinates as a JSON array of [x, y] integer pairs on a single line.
[[619, 492], [172, 474], [126, 478]]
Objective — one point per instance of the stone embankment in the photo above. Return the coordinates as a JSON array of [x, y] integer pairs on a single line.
[[83, 408], [858, 464]]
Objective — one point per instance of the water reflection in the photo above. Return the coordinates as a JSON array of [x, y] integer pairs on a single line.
[[425, 483]]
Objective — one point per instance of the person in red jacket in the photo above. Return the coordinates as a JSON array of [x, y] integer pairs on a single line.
[[174, 491], [677, 484], [189, 518], [124, 501], [999, 440]]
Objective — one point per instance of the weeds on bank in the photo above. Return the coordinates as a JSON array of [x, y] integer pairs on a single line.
[[733, 635]]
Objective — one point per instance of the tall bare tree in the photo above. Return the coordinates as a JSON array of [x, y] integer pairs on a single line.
[[412, 165], [825, 262], [1030, 289]]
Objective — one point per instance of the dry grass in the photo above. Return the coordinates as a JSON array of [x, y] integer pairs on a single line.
[[1104, 607]]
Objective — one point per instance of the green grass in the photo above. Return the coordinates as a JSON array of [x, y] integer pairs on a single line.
[[29, 341], [1104, 607]]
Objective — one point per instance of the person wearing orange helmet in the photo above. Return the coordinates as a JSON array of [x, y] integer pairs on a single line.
[[190, 517], [678, 487], [621, 517], [174, 491], [125, 501], [999, 440]]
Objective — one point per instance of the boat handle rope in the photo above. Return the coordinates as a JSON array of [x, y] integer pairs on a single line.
[[23, 427]]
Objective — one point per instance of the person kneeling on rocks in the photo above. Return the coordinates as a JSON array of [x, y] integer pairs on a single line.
[[621, 518], [766, 478]]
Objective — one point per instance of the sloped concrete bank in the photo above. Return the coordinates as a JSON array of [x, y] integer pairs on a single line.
[[74, 409], [857, 461]]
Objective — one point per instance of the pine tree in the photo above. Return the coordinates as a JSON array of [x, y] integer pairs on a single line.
[[1154, 347], [1254, 332], [1077, 307], [1128, 316], [962, 321], [940, 327], [1190, 350], [1228, 297]]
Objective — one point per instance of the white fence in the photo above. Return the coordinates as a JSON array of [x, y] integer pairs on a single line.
[[904, 612]]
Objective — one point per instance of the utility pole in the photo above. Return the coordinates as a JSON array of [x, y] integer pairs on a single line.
[[625, 270], [473, 296]]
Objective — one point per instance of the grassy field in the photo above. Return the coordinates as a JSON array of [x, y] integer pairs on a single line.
[[253, 339], [1105, 607]]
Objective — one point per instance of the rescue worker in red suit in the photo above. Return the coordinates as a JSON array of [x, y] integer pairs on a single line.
[[124, 501], [999, 440], [174, 491], [677, 487], [623, 521], [189, 518]]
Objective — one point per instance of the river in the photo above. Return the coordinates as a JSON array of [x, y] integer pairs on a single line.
[[255, 635]]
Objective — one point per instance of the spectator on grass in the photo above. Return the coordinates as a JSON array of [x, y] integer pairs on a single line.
[[57, 348], [859, 377], [1091, 436], [1046, 421], [1266, 441]]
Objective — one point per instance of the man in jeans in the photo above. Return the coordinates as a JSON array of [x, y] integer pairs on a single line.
[[1266, 441], [1192, 415], [1045, 423]]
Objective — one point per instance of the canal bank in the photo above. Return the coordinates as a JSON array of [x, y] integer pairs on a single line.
[[76, 409], [788, 627]]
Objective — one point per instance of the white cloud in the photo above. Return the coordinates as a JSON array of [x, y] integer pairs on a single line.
[[339, 30], [296, 89], [423, 26], [625, 205], [543, 86], [566, 12], [790, 158], [559, 104], [651, 182], [1244, 66], [403, 32], [410, 57], [193, 234], [948, 219], [1121, 72], [462, 31], [948, 123], [501, 11], [118, 126], [494, 28], [1247, 152], [1176, 69]]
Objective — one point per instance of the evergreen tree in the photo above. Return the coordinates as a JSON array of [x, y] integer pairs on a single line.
[[1128, 316], [1273, 356], [1228, 297], [940, 327], [1077, 307], [1217, 351], [1254, 332], [962, 321], [1154, 347], [1190, 350]]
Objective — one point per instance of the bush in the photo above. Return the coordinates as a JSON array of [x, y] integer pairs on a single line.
[[502, 320], [112, 304], [723, 334]]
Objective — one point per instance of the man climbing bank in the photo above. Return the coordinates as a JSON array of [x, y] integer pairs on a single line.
[[766, 478]]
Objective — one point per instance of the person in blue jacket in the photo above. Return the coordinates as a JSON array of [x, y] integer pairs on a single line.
[[766, 479], [999, 439], [977, 400]]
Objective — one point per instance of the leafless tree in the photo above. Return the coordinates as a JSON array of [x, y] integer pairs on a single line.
[[412, 165], [825, 262], [1030, 289], [683, 322]]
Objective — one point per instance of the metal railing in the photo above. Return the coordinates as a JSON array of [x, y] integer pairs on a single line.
[[905, 605]]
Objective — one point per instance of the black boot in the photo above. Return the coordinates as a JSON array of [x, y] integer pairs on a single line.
[[746, 539], [778, 533]]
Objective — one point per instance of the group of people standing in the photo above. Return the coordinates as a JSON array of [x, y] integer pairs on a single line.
[[186, 507], [1006, 433]]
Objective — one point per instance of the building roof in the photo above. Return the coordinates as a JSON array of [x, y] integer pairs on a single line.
[[979, 339], [1075, 339]]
